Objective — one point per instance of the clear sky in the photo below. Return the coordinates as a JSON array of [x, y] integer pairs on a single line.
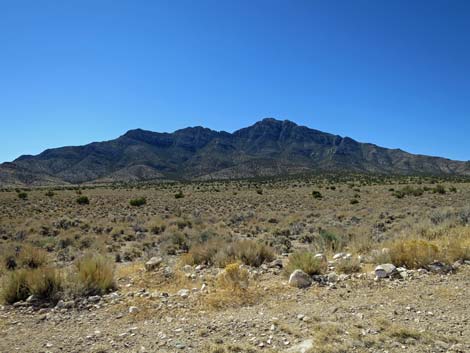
[[395, 73]]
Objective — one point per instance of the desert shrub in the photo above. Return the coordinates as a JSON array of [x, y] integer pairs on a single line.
[[233, 277], [455, 245], [138, 201], [305, 261], [414, 253], [95, 275], [351, 265], [317, 195], [157, 227], [439, 189], [83, 200], [441, 215], [31, 257], [259, 191], [330, 241], [354, 201], [249, 252], [203, 253], [179, 195], [15, 287], [45, 284], [49, 193], [22, 195]]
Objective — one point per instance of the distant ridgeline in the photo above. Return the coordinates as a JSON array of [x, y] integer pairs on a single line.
[[266, 149]]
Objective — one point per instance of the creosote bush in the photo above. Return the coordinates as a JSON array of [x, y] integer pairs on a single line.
[[83, 200], [138, 201], [305, 261], [317, 195]]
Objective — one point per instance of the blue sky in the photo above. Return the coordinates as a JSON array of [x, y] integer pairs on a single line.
[[395, 73]]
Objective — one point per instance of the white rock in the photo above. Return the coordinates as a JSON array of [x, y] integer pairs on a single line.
[[133, 309], [183, 293], [302, 347], [153, 263], [339, 255], [300, 279], [385, 270]]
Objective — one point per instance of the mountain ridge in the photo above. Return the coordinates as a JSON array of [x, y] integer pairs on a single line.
[[269, 147]]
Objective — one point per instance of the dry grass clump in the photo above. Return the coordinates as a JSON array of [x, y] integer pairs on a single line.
[[249, 252], [44, 284], [305, 261], [203, 254], [348, 266], [234, 277], [455, 245], [24, 256], [414, 253], [32, 257], [95, 275], [452, 245], [14, 287], [218, 252], [232, 289]]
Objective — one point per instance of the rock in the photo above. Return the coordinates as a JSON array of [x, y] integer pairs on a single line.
[[133, 309], [339, 256], [183, 293], [276, 264], [153, 263], [300, 279], [187, 269], [302, 347], [94, 299], [439, 267], [385, 270], [332, 277]]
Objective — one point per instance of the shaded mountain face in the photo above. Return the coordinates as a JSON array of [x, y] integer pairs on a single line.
[[268, 148]]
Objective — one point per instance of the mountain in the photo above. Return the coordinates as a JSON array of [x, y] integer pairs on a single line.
[[269, 147]]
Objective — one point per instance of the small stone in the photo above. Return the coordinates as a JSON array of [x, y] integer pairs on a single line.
[[153, 263], [302, 347], [183, 293], [133, 309]]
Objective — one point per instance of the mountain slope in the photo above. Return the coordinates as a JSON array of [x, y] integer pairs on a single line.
[[269, 147]]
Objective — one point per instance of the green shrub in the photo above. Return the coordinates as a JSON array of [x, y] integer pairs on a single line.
[[95, 275], [138, 201], [439, 189], [22, 195], [179, 195], [317, 195], [83, 200], [305, 261]]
